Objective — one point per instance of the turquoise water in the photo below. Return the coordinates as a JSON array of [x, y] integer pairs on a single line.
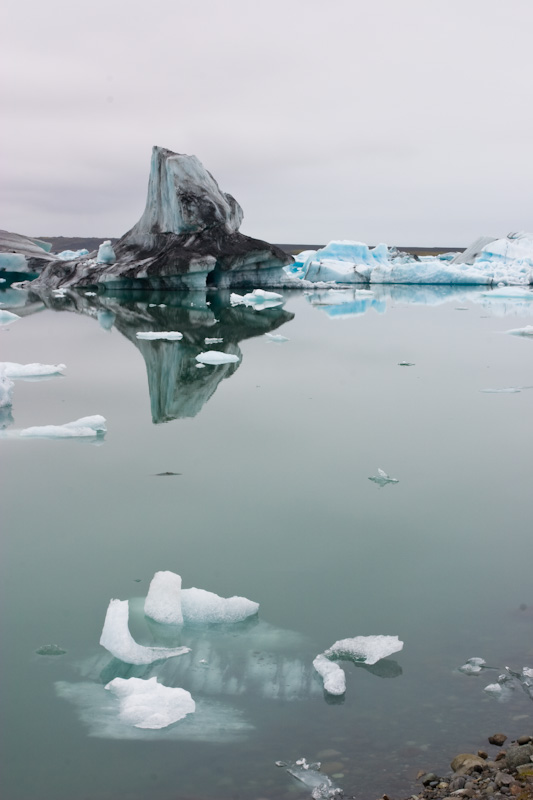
[[273, 503]]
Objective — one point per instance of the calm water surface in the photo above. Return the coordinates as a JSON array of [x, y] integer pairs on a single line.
[[273, 503]]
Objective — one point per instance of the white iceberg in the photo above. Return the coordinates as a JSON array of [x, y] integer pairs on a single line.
[[201, 607], [151, 335], [332, 674], [259, 299], [117, 639], [13, 370], [368, 649], [216, 357], [163, 601], [527, 331], [7, 317], [79, 428], [70, 255], [213, 340], [382, 479], [106, 254], [276, 337], [149, 704], [6, 390]]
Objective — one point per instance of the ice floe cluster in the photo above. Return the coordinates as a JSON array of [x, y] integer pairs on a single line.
[[505, 684], [488, 261]]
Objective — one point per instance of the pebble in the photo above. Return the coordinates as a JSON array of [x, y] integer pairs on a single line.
[[497, 738], [523, 740]]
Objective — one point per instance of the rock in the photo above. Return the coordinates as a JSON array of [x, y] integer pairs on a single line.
[[499, 756], [428, 778], [457, 783], [482, 754], [187, 238], [465, 763], [519, 754], [523, 740], [525, 769], [498, 739], [503, 779]]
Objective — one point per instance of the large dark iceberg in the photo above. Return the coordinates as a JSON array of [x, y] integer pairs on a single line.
[[187, 238]]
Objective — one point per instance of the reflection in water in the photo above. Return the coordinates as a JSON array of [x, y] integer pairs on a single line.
[[177, 387]]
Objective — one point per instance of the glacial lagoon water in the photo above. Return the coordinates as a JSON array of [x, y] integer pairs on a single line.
[[271, 501]]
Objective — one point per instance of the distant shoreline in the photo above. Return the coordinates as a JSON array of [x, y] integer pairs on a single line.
[[90, 243]]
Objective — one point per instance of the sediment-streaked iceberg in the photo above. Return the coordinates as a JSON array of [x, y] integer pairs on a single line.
[[117, 639], [369, 649], [13, 370], [7, 317], [171, 336], [150, 704], [201, 607], [79, 428], [215, 357], [332, 674], [163, 601]]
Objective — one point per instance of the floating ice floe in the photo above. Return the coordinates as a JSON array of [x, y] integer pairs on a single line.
[[382, 479], [117, 639], [502, 690], [527, 331], [106, 254], [151, 335], [7, 317], [276, 337], [163, 601], [213, 340], [201, 607], [6, 390], [150, 704], [259, 299], [332, 674], [70, 255], [215, 357], [368, 649], [473, 666], [79, 428], [321, 785], [13, 370]]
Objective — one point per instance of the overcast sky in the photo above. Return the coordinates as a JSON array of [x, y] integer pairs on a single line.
[[403, 121]]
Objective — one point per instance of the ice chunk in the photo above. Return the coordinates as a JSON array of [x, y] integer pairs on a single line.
[[213, 340], [85, 426], [163, 602], [321, 785], [13, 370], [150, 704], [333, 675], [117, 639], [216, 357], [6, 391], [382, 479], [500, 691], [473, 666], [199, 606], [276, 337], [259, 299], [369, 649], [106, 254], [7, 317], [70, 255], [527, 331], [150, 335]]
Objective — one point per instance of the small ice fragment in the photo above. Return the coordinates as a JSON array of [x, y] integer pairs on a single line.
[[405, 364], [368, 649], [213, 340], [80, 428], [200, 366], [276, 337], [507, 390], [6, 391], [106, 254], [280, 763], [172, 336], [162, 305], [90, 294], [499, 691], [216, 357], [333, 675], [163, 601], [382, 479], [527, 672], [117, 639], [150, 704], [13, 370], [473, 666], [201, 607], [50, 650], [202, 661], [7, 317], [527, 331], [322, 787]]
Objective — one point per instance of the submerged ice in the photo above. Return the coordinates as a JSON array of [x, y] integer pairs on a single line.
[[321, 785], [150, 704]]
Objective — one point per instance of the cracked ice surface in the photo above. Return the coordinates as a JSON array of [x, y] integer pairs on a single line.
[[369, 649], [117, 639], [150, 704]]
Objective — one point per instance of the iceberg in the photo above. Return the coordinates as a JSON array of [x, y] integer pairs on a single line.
[[216, 357], [369, 649], [332, 674], [80, 428], [13, 370], [321, 785], [6, 390], [171, 336], [150, 704], [117, 639], [382, 479], [527, 331], [259, 299], [163, 601], [201, 607], [70, 255], [106, 254], [7, 317], [473, 666]]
